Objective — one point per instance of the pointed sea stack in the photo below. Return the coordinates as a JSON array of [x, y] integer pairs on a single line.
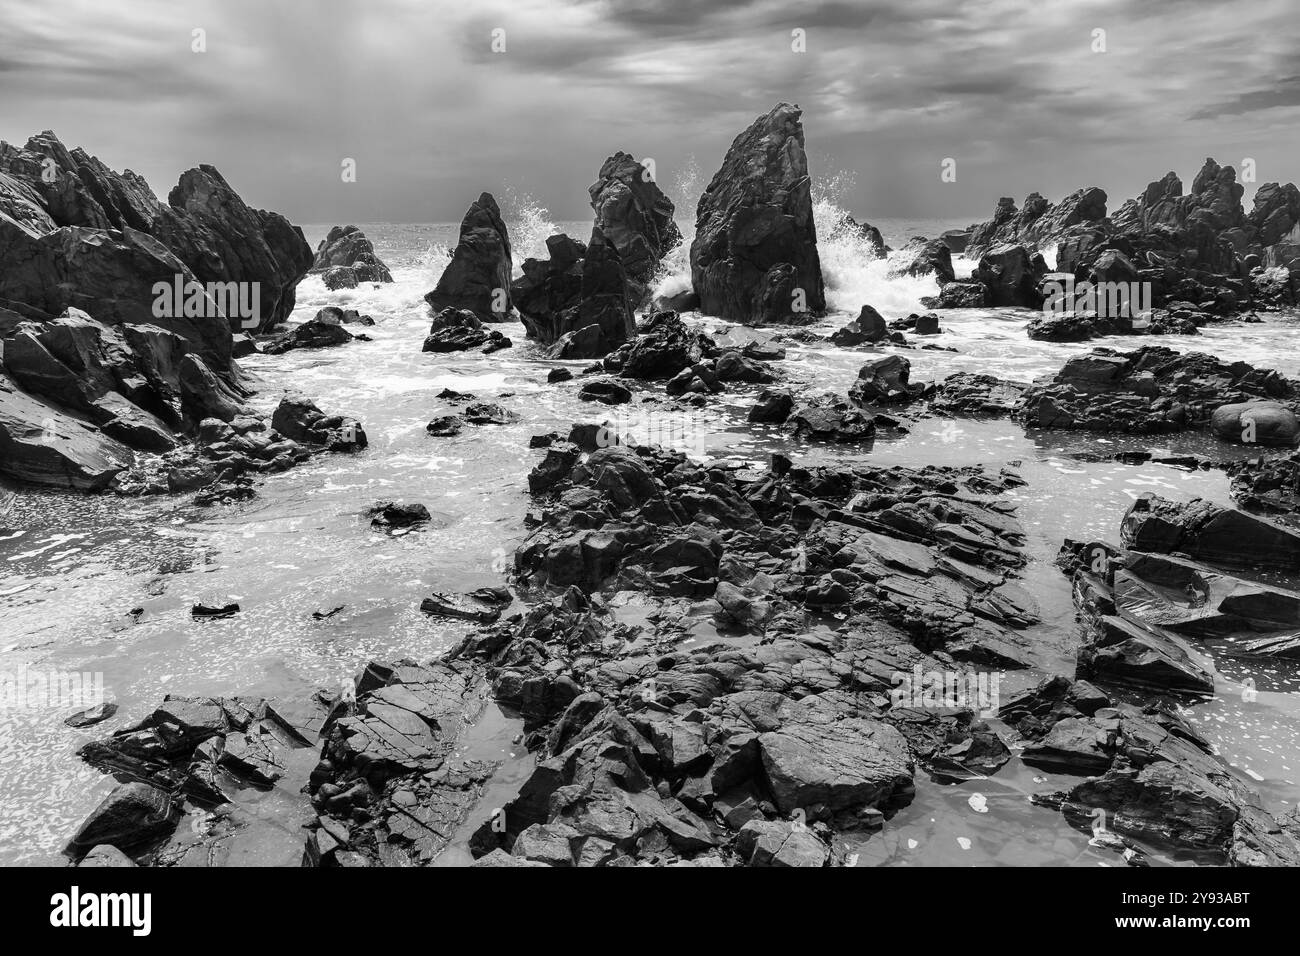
[[478, 276], [754, 258]]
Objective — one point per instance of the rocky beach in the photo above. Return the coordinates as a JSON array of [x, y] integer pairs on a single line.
[[721, 529]]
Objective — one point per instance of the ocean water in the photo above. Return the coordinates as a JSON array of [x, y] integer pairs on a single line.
[[74, 568]]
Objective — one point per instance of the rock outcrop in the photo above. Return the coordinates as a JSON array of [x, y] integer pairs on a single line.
[[576, 302], [1149, 391], [347, 257], [1038, 223], [754, 257], [1011, 276], [94, 238], [478, 277], [636, 218]]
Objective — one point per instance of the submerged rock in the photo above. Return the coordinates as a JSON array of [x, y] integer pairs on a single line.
[[321, 332], [391, 516], [966, 393]]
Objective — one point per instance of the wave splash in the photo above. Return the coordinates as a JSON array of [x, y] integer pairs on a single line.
[[852, 274]]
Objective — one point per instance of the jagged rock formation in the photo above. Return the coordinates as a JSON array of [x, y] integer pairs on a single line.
[[922, 257], [1141, 767], [347, 257], [637, 219], [576, 302], [1038, 223], [754, 257], [1011, 276], [1200, 247], [478, 276], [1148, 391], [205, 225]]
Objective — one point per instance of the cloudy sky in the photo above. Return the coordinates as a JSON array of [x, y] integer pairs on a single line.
[[415, 93]]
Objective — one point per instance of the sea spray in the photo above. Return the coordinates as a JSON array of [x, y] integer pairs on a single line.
[[674, 274], [530, 225], [854, 277]]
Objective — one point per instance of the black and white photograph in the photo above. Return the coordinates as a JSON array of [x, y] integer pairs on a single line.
[[651, 434]]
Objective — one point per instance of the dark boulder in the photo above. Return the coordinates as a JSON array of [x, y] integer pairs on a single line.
[[868, 327], [923, 257], [298, 418], [320, 332], [455, 330], [884, 381], [1012, 275], [346, 247]]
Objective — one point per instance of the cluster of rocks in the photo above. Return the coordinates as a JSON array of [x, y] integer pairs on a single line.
[[1156, 389], [456, 330], [225, 454], [346, 258], [80, 399], [1202, 247], [754, 718], [74, 233], [1143, 607], [103, 384], [324, 330], [1270, 486], [1076, 326], [750, 722], [1008, 275], [474, 412], [577, 302], [1038, 223], [882, 383], [691, 362], [1146, 775]]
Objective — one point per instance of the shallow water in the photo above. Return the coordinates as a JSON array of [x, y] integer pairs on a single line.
[[79, 565]]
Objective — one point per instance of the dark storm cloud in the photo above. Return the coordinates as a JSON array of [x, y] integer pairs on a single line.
[[415, 93]]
